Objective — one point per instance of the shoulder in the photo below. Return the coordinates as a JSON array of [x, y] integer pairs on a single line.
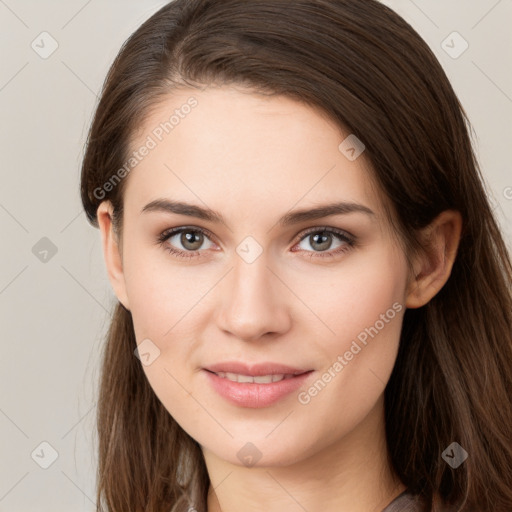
[[406, 502]]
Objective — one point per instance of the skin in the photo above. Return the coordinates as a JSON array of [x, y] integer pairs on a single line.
[[253, 159]]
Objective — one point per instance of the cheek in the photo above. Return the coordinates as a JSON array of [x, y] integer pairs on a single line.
[[162, 302], [160, 293], [363, 308], [352, 297]]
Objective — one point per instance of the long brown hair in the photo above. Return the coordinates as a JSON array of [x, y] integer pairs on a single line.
[[369, 71]]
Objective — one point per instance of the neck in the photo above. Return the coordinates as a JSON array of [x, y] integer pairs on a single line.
[[351, 475]]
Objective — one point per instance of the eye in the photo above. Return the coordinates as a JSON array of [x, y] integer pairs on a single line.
[[321, 239], [192, 239]]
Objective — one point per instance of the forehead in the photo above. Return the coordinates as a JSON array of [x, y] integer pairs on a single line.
[[230, 146]]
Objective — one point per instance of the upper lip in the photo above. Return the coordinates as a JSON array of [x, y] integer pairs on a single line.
[[254, 370]]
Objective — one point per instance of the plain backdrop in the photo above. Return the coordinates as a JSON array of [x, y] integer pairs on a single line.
[[55, 297]]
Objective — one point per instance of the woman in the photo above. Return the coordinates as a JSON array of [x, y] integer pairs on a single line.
[[315, 303]]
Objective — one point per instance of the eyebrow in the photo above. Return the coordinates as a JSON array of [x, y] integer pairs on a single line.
[[291, 218]]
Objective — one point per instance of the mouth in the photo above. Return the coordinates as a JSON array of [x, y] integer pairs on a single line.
[[238, 368], [255, 386], [258, 379]]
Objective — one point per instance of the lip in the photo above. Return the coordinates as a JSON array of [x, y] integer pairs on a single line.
[[252, 394], [254, 370]]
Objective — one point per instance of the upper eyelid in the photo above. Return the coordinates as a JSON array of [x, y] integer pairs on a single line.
[[336, 231], [168, 233]]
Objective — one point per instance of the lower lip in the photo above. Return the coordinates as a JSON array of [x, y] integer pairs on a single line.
[[251, 394]]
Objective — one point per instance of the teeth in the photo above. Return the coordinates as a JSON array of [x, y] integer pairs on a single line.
[[260, 379]]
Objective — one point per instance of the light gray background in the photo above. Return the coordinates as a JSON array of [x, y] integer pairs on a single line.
[[54, 313]]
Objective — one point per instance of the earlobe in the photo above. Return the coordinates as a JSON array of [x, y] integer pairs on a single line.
[[433, 266], [111, 252]]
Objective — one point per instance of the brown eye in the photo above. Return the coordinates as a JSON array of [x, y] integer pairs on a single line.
[[191, 240], [185, 242], [322, 239]]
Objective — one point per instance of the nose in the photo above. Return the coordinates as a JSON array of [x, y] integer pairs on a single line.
[[253, 302]]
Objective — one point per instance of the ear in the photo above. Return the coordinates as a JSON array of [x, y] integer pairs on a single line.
[[433, 266], [112, 252]]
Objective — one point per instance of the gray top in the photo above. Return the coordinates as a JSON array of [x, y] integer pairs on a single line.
[[405, 502]]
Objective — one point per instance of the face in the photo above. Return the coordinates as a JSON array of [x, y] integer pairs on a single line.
[[318, 299]]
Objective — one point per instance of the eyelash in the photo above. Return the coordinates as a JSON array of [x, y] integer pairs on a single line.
[[342, 236]]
